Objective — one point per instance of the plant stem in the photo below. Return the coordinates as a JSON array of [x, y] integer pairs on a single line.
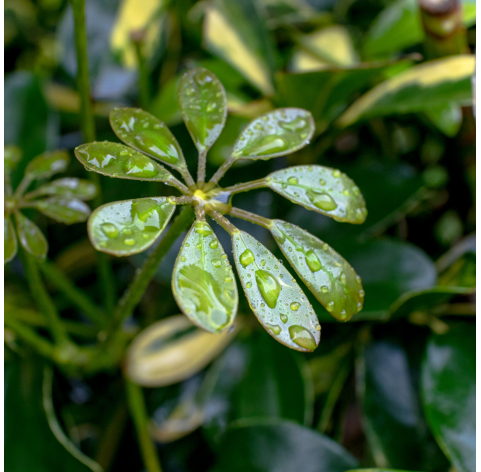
[[138, 411], [144, 84], [224, 222], [88, 130], [63, 283], [246, 186], [251, 217], [42, 298], [139, 284], [201, 167], [187, 176], [223, 169]]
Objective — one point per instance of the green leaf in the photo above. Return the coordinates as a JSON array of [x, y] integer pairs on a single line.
[[11, 157], [203, 103], [448, 386], [64, 210], [172, 350], [377, 470], [276, 133], [122, 162], [147, 134], [129, 227], [433, 83], [261, 445], [30, 236], [447, 118], [68, 187], [47, 164], [322, 189], [9, 240], [325, 272], [203, 282], [237, 33], [274, 296]]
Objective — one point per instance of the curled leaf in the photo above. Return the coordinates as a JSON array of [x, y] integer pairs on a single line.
[[47, 164], [129, 227], [31, 238], [326, 273], [69, 187], [64, 210], [12, 155], [147, 134], [122, 162], [274, 296], [276, 133], [172, 350], [322, 189], [203, 282], [9, 240], [203, 103]]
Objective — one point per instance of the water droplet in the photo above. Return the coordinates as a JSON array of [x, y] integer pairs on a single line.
[[345, 192], [283, 318], [322, 182], [302, 337], [293, 180], [359, 306], [216, 263], [213, 244], [224, 256], [358, 279], [228, 279], [361, 293], [211, 106], [275, 329], [247, 257], [343, 278], [269, 287], [267, 145], [198, 246], [263, 263], [313, 261], [322, 200], [325, 288], [318, 327], [325, 247], [183, 258], [295, 306], [330, 306], [140, 166], [126, 231], [110, 230], [336, 173], [129, 242], [249, 285]]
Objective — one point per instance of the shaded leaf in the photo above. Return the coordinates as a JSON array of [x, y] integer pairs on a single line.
[[322, 189], [147, 134], [11, 157], [122, 162], [9, 240], [69, 187], [325, 272], [203, 282], [276, 133], [203, 103], [433, 83], [274, 296], [47, 164], [377, 470], [128, 227], [279, 446], [172, 350], [30, 236], [64, 210], [447, 118], [448, 386]]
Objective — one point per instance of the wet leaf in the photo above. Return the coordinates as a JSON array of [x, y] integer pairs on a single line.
[[12, 155], [203, 103], [30, 236], [9, 240], [274, 296], [276, 133], [64, 210], [147, 134], [122, 162], [129, 227], [66, 187], [322, 189], [433, 83], [172, 350], [203, 282], [47, 164], [325, 272], [448, 387]]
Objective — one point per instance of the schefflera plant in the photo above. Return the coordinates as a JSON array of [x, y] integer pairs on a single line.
[[61, 199], [203, 281]]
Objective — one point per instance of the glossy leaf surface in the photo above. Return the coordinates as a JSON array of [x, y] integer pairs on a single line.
[[11, 157], [30, 236], [260, 445], [69, 187], [64, 210], [448, 386], [203, 282], [274, 296], [433, 83], [129, 227], [147, 134], [9, 240], [203, 103], [276, 133], [322, 189], [47, 164], [325, 272], [172, 350], [122, 162]]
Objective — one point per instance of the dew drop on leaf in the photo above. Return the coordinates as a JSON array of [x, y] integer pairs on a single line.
[[247, 257], [295, 306], [302, 337], [110, 230], [269, 287]]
